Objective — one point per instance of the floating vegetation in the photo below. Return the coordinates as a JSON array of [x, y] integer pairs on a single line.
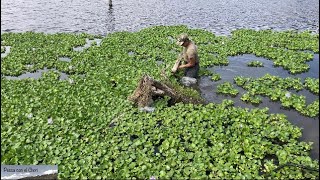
[[215, 77], [280, 47], [227, 88], [205, 72], [87, 126], [255, 64], [312, 84], [241, 80], [252, 98], [276, 88], [3, 49]]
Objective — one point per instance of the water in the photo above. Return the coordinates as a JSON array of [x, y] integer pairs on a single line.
[[238, 67], [88, 44], [65, 59], [6, 52], [97, 17], [36, 75]]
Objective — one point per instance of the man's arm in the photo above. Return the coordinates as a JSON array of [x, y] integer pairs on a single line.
[[191, 63], [176, 65]]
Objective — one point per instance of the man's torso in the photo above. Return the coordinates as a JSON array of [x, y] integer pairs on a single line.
[[190, 52]]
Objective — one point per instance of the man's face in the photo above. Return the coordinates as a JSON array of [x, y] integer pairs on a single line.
[[184, 44], [180, 42]]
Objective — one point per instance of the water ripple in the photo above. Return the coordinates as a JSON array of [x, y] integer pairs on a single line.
[[96, 17]]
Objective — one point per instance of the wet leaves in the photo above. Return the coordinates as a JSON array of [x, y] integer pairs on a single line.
[[227, 88], [312, 84], [276, 88], [215, 77], [67, 122], [255, 64]]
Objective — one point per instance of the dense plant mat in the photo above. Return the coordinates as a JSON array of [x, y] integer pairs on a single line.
[[86, 125], [278, 89]]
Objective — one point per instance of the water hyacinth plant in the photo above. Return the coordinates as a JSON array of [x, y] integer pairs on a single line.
[[276, 89], [312, 84], [255, 64], [227, 88], [248, 97], [215, 77], [3, 49], [86, 125]]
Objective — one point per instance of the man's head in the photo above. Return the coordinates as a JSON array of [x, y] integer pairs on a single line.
[[183, 40]]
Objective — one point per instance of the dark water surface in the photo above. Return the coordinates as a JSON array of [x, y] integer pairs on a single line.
[[96, 17], [238, 67]]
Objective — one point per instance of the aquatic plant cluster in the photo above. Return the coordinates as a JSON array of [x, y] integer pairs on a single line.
[[3, 49], [287, 49], [255, 64], [86, 125], [227, 88], [312, 84], [215, 77], [278, 89]]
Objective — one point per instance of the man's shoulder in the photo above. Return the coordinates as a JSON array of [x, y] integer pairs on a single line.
[[192, 48]]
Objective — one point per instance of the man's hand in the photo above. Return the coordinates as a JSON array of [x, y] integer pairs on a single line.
[[191, 63], [176, 65], [181, 67]]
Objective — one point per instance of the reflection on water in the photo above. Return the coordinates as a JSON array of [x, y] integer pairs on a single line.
[[97, 17], [111, 18], [238, 67], [36, 75]]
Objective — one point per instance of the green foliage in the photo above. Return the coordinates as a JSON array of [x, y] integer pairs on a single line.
[[286, 49], [312, 84], [205, 72], [240, 80], [96, 133], [276, 89], [227, 88], [248, 97], [255, 64], [215, 77], [3, 49]]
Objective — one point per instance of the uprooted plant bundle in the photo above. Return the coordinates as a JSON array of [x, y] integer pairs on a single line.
[[148, 88]]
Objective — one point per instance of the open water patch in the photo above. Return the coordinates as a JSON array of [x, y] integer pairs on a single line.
[[89, 43], [171, 39], [36, 75], [238, 67], [131, 53], [7, 51], [65, 59], [159, 62]]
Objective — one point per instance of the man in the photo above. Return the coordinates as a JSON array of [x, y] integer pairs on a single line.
[[190, 56]]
